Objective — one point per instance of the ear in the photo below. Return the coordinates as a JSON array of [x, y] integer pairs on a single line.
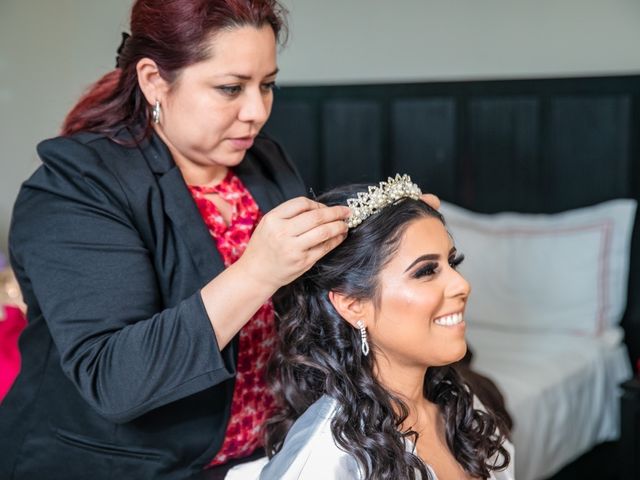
[[349, 308], [153, 86]]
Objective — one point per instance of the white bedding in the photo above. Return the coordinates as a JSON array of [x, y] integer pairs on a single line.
[[561, 390]]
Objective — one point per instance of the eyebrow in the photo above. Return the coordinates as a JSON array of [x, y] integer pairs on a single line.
[[428, 256], [247, 77]]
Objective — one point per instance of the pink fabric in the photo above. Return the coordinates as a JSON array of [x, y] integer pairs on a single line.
[[11, 325]]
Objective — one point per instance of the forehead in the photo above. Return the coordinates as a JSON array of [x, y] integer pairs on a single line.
[[244, 49], [423, 236]]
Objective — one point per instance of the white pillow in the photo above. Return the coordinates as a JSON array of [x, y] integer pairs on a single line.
[[565, 272]]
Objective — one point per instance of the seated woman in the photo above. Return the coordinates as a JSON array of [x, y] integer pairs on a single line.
[[362, 373]]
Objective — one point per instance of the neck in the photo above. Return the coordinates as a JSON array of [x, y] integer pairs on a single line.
[[405, 381], [200, 175]]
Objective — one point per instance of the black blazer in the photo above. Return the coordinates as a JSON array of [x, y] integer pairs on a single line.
[[121, 374]]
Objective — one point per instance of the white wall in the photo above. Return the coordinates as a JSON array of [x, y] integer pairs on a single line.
[[337, 41], [50, 50]]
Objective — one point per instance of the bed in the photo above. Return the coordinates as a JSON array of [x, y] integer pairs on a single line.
[[560, 389], [548, 295], [546, 149]]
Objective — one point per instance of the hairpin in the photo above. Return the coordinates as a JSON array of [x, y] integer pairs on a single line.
[[123, 42], [386, 193]]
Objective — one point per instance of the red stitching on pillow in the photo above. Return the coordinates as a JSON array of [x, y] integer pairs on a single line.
[[604, 274], [605, 227]]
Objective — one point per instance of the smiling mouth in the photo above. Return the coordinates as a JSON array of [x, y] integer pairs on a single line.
[[449, 320]]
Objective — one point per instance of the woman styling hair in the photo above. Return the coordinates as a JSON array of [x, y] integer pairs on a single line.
[[148, 246], [362, 371]]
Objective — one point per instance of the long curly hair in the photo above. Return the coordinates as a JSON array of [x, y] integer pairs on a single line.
[[318, 353]]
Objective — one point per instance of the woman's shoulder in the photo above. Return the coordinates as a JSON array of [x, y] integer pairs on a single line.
[[67, 161], [82, 148], [71, 159], [110, 161], [309, 451], [85, 168]]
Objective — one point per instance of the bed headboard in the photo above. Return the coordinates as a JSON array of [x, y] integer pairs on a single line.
[[540, 145]]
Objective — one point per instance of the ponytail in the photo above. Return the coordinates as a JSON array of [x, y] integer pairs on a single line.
[[114, 100]]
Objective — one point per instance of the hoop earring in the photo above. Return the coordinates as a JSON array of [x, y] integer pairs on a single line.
[[363, 338], [155, 112]]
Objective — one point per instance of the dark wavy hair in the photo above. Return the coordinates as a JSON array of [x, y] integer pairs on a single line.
[[174, 34], [318, 353]]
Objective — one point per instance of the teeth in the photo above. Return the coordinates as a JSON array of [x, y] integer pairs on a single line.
[[449, 320]]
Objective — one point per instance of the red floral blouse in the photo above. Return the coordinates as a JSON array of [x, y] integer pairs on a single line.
[[252, 402]]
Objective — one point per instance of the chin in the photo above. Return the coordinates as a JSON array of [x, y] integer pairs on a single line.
[[237, 159], [225, 157], [457, 353], [228, 161]]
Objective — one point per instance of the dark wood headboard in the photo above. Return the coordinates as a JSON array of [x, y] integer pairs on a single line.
[[541, 145]]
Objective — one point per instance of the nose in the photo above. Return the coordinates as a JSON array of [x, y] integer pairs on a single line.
[[256, 107], [457, 286]]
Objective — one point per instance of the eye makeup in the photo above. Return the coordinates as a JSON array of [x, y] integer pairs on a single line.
[[431, 267]]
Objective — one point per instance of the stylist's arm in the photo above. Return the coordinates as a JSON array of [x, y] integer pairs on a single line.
[[285, 244], [148, 246]]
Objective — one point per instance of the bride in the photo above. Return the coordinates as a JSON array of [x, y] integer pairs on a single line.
[[362, 373]]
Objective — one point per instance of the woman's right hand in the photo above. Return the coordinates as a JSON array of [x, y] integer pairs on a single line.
[[291, 238]]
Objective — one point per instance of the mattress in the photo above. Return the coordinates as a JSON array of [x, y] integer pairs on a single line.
[[562, 391]]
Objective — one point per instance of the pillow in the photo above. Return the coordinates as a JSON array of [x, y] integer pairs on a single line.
[[565, 272]]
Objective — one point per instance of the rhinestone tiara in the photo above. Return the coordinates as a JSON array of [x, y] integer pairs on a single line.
[[386, 193]]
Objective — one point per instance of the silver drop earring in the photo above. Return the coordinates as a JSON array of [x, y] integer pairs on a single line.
[[155, 112], [363, 338]]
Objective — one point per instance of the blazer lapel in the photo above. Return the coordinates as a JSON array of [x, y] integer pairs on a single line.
[[182, 210], [183, 213]]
